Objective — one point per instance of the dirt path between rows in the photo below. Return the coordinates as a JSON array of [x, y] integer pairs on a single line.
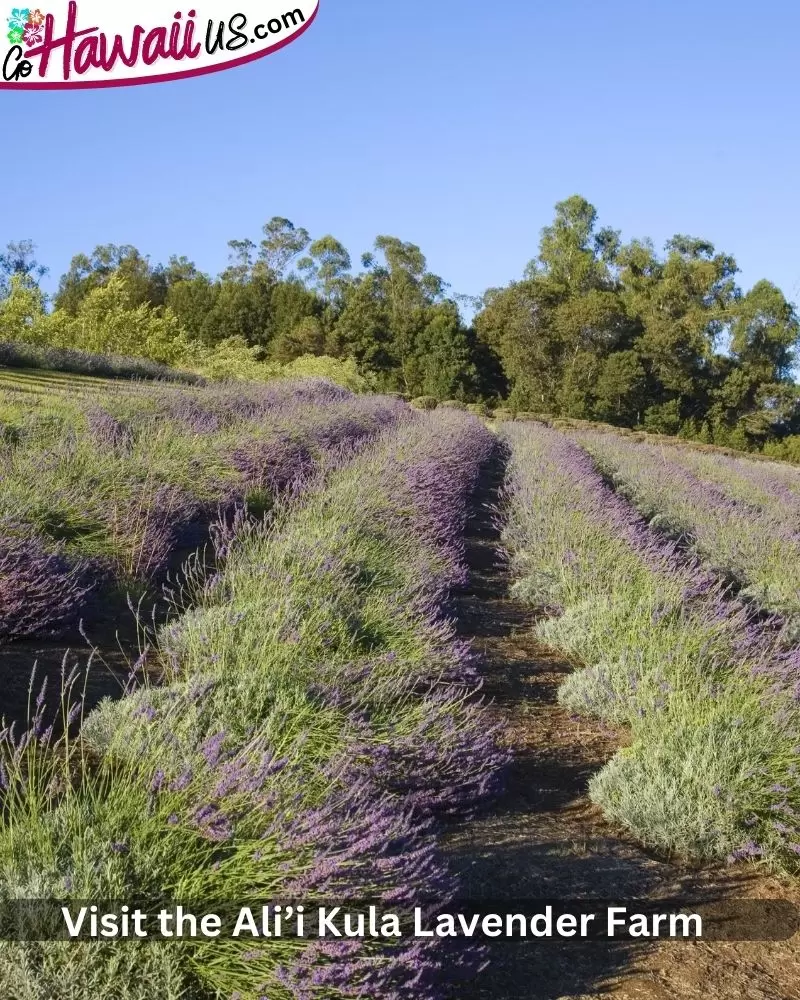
[[544, 840]]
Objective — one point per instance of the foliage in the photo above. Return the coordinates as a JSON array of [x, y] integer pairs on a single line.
[[601, 330], [313, 729], [21, 310], [596, 329], [787, 450], [18, 260], [340, 371], [703, 679], [425, 402]]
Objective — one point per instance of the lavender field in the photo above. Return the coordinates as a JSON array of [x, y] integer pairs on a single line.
[[669, 577], [102, 483], [303, 716], [300, 725]]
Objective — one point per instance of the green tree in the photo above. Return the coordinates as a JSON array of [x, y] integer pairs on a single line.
[[19, 260], [516, 323], [553, 328], [244, 309], [765, 332], [110, 321], [327, 267], [241, 260], [573, 253], [307, 338], [362, 329], [145, 283], [681, 306], [408, 290], [194, 302], [620, 392], [282, 243], [442, 365], [22, 309]]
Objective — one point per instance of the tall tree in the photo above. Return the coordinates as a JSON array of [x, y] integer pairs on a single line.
[[408, 289], [441, 364], [241, 259], [282, 243], [326, 267], [19, 260], [144, 284], [681, 305], [620, 390], [765, 332], [553, 328], [758, 392]]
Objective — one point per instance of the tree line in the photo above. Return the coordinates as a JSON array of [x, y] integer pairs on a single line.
[[594, 329]]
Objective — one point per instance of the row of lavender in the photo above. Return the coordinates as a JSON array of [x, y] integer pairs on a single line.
[[741, 518], [100, 494], [317, 724], [707, 684]]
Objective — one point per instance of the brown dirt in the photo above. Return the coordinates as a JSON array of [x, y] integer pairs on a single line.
[[545, 840], [98, 677], [103, 652]]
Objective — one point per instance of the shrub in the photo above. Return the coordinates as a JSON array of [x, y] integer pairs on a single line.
[[340, 371], [425, 402], [787, 450], [454, 404]]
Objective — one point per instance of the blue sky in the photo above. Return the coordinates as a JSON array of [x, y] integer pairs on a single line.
[[454, 124]]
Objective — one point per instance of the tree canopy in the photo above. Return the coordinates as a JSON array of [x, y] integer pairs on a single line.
[[595, 328], [600, 329]]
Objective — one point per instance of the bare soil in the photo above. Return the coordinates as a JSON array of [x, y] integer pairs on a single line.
[[545, 840], [103, 663]]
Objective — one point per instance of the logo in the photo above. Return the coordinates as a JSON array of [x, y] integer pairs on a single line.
[[92, 43]]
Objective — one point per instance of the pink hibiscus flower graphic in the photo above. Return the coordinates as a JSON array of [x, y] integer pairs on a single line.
[[34, 35]]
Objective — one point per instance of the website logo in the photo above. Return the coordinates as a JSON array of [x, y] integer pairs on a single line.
[[93, 43]]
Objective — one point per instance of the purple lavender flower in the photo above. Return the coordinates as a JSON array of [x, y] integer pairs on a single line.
[[41, 593]]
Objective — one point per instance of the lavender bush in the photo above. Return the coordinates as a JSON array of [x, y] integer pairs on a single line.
[[317, 722], [703, 680], [123, 481], [39, 590], [62, 359], [736, 532], [770, 488]]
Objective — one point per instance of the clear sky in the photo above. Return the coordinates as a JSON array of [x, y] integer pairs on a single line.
[[455, 124]]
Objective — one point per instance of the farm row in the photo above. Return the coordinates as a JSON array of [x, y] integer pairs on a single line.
[[315, 725], [302, 722], [103, 487], [670, 577]]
